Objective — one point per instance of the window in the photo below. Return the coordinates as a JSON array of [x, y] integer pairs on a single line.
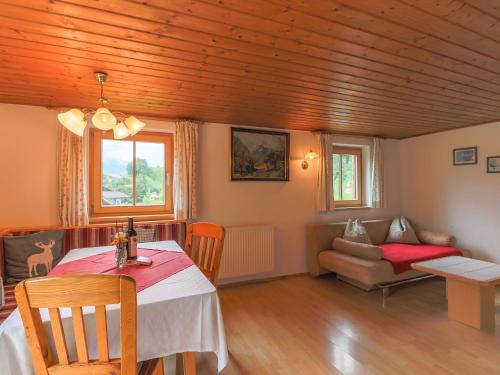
[[130, 177], [347, 177]]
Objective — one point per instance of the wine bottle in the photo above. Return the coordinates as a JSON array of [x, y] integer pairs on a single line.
[[132, 240]]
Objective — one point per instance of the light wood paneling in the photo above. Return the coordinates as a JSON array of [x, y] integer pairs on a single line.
[[394, 68]]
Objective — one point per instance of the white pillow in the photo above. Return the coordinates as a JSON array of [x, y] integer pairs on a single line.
[[401, 231], [355, 231]]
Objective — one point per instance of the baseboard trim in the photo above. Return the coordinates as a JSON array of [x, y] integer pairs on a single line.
[[262, 280]]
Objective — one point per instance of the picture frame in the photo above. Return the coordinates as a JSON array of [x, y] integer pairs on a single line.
[[493, 164], [259, 155], [465, 156]]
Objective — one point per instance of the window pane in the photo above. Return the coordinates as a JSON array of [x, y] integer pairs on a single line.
[[117, 185], [349, 183], [150, 173], [336, 177]]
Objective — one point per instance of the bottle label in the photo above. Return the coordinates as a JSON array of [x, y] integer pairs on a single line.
[[132, 248]]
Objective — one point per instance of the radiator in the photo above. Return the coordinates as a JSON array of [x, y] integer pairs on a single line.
[[248, 250]]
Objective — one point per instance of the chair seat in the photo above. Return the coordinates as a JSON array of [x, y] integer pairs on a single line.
[[10, 302]]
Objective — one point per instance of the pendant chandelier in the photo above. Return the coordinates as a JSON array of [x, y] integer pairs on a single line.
[[102, 118]]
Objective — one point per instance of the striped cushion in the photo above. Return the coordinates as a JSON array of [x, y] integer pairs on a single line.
[[91, 236], [10, 302], [145, 235]]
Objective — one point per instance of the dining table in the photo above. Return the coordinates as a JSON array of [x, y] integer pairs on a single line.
[[178, 314]]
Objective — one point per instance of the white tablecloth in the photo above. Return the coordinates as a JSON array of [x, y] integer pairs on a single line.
[[178, 314]]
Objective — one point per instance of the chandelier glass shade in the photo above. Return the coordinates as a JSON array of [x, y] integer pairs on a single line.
[[103, 119], [120, 131], [134, 125], [75, 119]]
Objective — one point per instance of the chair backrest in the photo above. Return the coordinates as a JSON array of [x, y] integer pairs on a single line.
[[204, 242], [76, 291]]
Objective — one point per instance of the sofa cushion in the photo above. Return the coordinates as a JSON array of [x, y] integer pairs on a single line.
[[368, 272], [401, 231], [360, 250], [355, 231], [377, 230], [32, 255], [401, 256], [436, 238]]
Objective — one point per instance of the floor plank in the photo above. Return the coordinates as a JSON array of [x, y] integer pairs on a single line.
[[304, 325]]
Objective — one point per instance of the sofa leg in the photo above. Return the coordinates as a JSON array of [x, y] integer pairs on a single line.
[[386, 292]]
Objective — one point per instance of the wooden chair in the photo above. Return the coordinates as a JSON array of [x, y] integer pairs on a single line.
[[76, 291], [204, 242]]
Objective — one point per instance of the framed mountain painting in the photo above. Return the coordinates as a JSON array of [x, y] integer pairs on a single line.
[[259, 155]]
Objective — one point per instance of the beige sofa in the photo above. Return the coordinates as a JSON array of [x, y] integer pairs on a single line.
[[361, 272]]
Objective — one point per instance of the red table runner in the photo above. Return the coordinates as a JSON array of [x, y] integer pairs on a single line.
[[165, 264]]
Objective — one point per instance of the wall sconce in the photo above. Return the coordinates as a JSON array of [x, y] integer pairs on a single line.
[[310, 156]]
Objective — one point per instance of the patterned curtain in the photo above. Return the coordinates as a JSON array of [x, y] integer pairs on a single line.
[[185, 152], [72, 178], [324, 189], [377, 183]]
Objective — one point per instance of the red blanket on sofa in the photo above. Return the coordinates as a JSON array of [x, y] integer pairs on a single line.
[[402, 255]]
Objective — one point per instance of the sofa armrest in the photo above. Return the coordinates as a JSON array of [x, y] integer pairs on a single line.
[[360, 250], [436, 238], [319, 238]]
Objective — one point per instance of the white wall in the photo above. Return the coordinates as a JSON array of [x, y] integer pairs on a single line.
[[289, 206], [28, 179], [28, 182], [28, 186], [462, 200]]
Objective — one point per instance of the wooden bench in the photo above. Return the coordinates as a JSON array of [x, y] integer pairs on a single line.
[[85, 236]]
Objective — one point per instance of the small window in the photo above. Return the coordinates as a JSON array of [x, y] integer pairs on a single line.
[[130, 177], [347, 177]]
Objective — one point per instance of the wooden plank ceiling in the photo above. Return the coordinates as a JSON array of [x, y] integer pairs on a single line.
[[396, 68]]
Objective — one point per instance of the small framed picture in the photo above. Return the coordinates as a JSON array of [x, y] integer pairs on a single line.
[[493, 164], [465, 156]]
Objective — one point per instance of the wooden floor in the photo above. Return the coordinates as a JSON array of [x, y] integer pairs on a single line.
[[303, 325]]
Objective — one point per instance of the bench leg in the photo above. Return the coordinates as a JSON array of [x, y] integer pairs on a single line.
[[471, 304]]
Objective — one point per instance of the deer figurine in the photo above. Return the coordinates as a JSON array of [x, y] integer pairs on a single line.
[[46, 258]]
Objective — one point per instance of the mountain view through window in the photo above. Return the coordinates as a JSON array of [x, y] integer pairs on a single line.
[[133, 173]]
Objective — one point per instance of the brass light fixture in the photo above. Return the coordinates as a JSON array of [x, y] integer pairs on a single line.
[[102, 118]]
